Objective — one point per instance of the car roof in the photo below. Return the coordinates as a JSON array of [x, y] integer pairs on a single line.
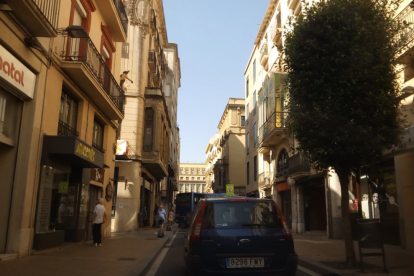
[[235, 199]]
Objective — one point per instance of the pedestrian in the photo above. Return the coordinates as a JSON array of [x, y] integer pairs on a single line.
[[99, 217], [171, 216], [145, 213], [161, 216]]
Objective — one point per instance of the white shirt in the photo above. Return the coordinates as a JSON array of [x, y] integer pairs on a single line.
[[99, 211]]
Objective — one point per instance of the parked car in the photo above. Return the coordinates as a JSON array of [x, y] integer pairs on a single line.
[[239, 236]]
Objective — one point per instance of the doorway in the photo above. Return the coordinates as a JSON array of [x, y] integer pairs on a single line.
[[95, 192]]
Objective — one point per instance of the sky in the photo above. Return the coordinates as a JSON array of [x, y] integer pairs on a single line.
[[215, 39]]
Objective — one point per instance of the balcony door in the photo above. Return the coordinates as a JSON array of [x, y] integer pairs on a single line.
[[76, 45]]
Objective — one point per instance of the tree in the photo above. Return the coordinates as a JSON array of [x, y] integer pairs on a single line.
[[343, 94]]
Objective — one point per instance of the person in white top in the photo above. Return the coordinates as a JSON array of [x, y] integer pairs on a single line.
[[171, 216], [99, 217]]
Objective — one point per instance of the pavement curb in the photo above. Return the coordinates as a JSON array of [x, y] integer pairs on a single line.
[[143, 267]]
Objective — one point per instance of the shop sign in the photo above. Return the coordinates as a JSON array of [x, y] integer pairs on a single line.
[[121, 147], [97, 175], [85, 151], [229, 189], [63, 187], [14, 72]]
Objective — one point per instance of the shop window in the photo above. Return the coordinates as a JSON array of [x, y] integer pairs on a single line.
[[149, 124], [98, 133], [68, 115], [57, 200], [10, 111]]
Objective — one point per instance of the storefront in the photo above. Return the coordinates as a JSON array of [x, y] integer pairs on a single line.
[[284, 190], [17, 85], [380, 199], [71, 181]]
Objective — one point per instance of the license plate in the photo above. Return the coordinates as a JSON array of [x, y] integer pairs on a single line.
[[244, 262]]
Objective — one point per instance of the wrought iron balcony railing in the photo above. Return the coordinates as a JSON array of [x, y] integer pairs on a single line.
[[406, 19], [122, 14], [265, 178], [223, 161], [65, 130], [299, 163], [276, 121], [98, 147], [50, 9], [83, 49]]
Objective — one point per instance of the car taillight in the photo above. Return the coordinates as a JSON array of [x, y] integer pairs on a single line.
[[198, 222], [233, 200], [286, 228]]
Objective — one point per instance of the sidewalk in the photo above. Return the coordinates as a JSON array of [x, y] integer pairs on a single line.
[[121, 254], [326, 253]]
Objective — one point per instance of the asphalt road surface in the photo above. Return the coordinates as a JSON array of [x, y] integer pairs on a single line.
[[170, 261]]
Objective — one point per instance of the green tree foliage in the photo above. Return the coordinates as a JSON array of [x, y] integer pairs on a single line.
[[343, 94]]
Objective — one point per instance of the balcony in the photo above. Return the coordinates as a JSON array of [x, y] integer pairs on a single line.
[[83, 63], [406, 33], [265, 180], [153, 22], [154, 79], [152, 62], [40, 17], [271, 131], [115, 18], [277, 29], [124, 151], [264, 55], [299, 166], [222, 162], [98, 147], [65, 130]]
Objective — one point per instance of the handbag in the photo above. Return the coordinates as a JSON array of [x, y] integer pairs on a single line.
[[104, 218]]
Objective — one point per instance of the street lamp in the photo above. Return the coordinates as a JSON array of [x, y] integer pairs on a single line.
[[76, 32]]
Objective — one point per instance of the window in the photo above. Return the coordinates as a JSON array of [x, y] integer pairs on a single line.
[[254, 103], [181, 178], [202, 188], [10, 110], [220, 179], [181, 187], [204, 178], [149, 124], [187, 188], [247, 87], [98, 131], [68, 115], [255, 168], [198, 188], [247, 114], [255, 135], [198, 178], [242, 121], [187, 178], [192, 178], [254, 71], [247, 142], [248, 174]]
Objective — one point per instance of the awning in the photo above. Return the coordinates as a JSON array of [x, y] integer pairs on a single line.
[[71, 151]]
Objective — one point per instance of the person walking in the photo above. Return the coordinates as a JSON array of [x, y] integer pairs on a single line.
[[161, 216], [99, 217], [171, 216], [145, 214]]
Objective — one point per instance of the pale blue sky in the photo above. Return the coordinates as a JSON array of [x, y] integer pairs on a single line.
[[215, 39]]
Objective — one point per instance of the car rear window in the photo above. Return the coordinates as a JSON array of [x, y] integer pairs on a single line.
[[183, 199], [241, 214]]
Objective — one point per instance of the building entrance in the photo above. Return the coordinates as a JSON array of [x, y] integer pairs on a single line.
[[315, 206]]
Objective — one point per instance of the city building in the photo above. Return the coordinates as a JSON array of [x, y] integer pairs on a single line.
[[61, 105], [192, 178], [148, 142], [309, 199], [225, 151]]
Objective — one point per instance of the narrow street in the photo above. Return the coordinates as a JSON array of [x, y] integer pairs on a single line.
[[170, 261]]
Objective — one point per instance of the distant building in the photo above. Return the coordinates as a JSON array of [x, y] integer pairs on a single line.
[[192, 178], [225, 152]]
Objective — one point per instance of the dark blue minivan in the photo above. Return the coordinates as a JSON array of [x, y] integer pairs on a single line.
[[239, 236]]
